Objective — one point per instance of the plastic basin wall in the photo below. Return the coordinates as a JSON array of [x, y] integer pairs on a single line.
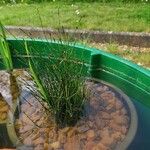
[[130, 78]]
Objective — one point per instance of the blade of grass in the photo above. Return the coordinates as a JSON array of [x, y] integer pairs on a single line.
[[35, 77], [4, 49]]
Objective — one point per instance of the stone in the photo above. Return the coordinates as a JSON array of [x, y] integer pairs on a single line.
[[82, 136], [123, 111], [72, 132], [26, 128], [83, 129], [25, 119], [100, 89], [55, 145], [62, 138], [90, 124], [107, 140], [38, 141], [94, 103], [105, 115], [124, 129], [119, 104], [100, 146], [3, 116], [46, 146], [72, 144], [90, 134], [89, 145], [116, 135], [35, 136], [91, 118], [65, 130], [121, 120], [28, 141], [104, 133], [115, 126], [98, 121], [39, 147], [4, 108]]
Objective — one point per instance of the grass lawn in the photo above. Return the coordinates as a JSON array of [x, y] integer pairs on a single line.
[[95, 15]]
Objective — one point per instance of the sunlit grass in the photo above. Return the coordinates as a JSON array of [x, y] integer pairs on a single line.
[[95, 15]]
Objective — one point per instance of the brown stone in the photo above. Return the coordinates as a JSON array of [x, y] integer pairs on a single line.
[[124, 129], [99, 146], [94, 103], [82, 136], [105, 133], [4, 108], [116, 135], [89, 145], [123, 111], [39, 147], [3, 116], [105, 115], [26, 128], [65, 130], [119, 104], [83, 129], [90, 124], [39, 140], [115, 126], [107, 140], [25, 119], [72, 132], [121, 120], [28, 141], [90, 134], [99, 122], [72, 143], [46, 145], [55, 145], [62, 138]]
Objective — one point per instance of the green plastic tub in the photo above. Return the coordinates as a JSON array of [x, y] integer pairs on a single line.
[[130, 78]]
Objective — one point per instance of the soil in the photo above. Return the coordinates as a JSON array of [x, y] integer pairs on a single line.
[[105, 122]]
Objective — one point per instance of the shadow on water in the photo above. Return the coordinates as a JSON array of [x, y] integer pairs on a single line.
[[142, 138]]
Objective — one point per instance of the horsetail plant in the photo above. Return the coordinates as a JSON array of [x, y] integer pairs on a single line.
[[59, 81]]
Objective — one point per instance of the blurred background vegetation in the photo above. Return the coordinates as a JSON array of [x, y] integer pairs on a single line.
[[105, 1]]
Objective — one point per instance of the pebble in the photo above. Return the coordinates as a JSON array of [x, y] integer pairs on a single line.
[[82, 129], [89, 145], [90, 134], [28, 141], [107, 140], [72, 144], [105, 115], [62, 138], [55, 145], [100, 146], [3, 116], [90, 124], [119, 105], [4, 108], [123, 111]]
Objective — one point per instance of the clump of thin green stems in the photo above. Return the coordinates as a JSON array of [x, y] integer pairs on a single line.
[[58, 78], [4, 49]]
